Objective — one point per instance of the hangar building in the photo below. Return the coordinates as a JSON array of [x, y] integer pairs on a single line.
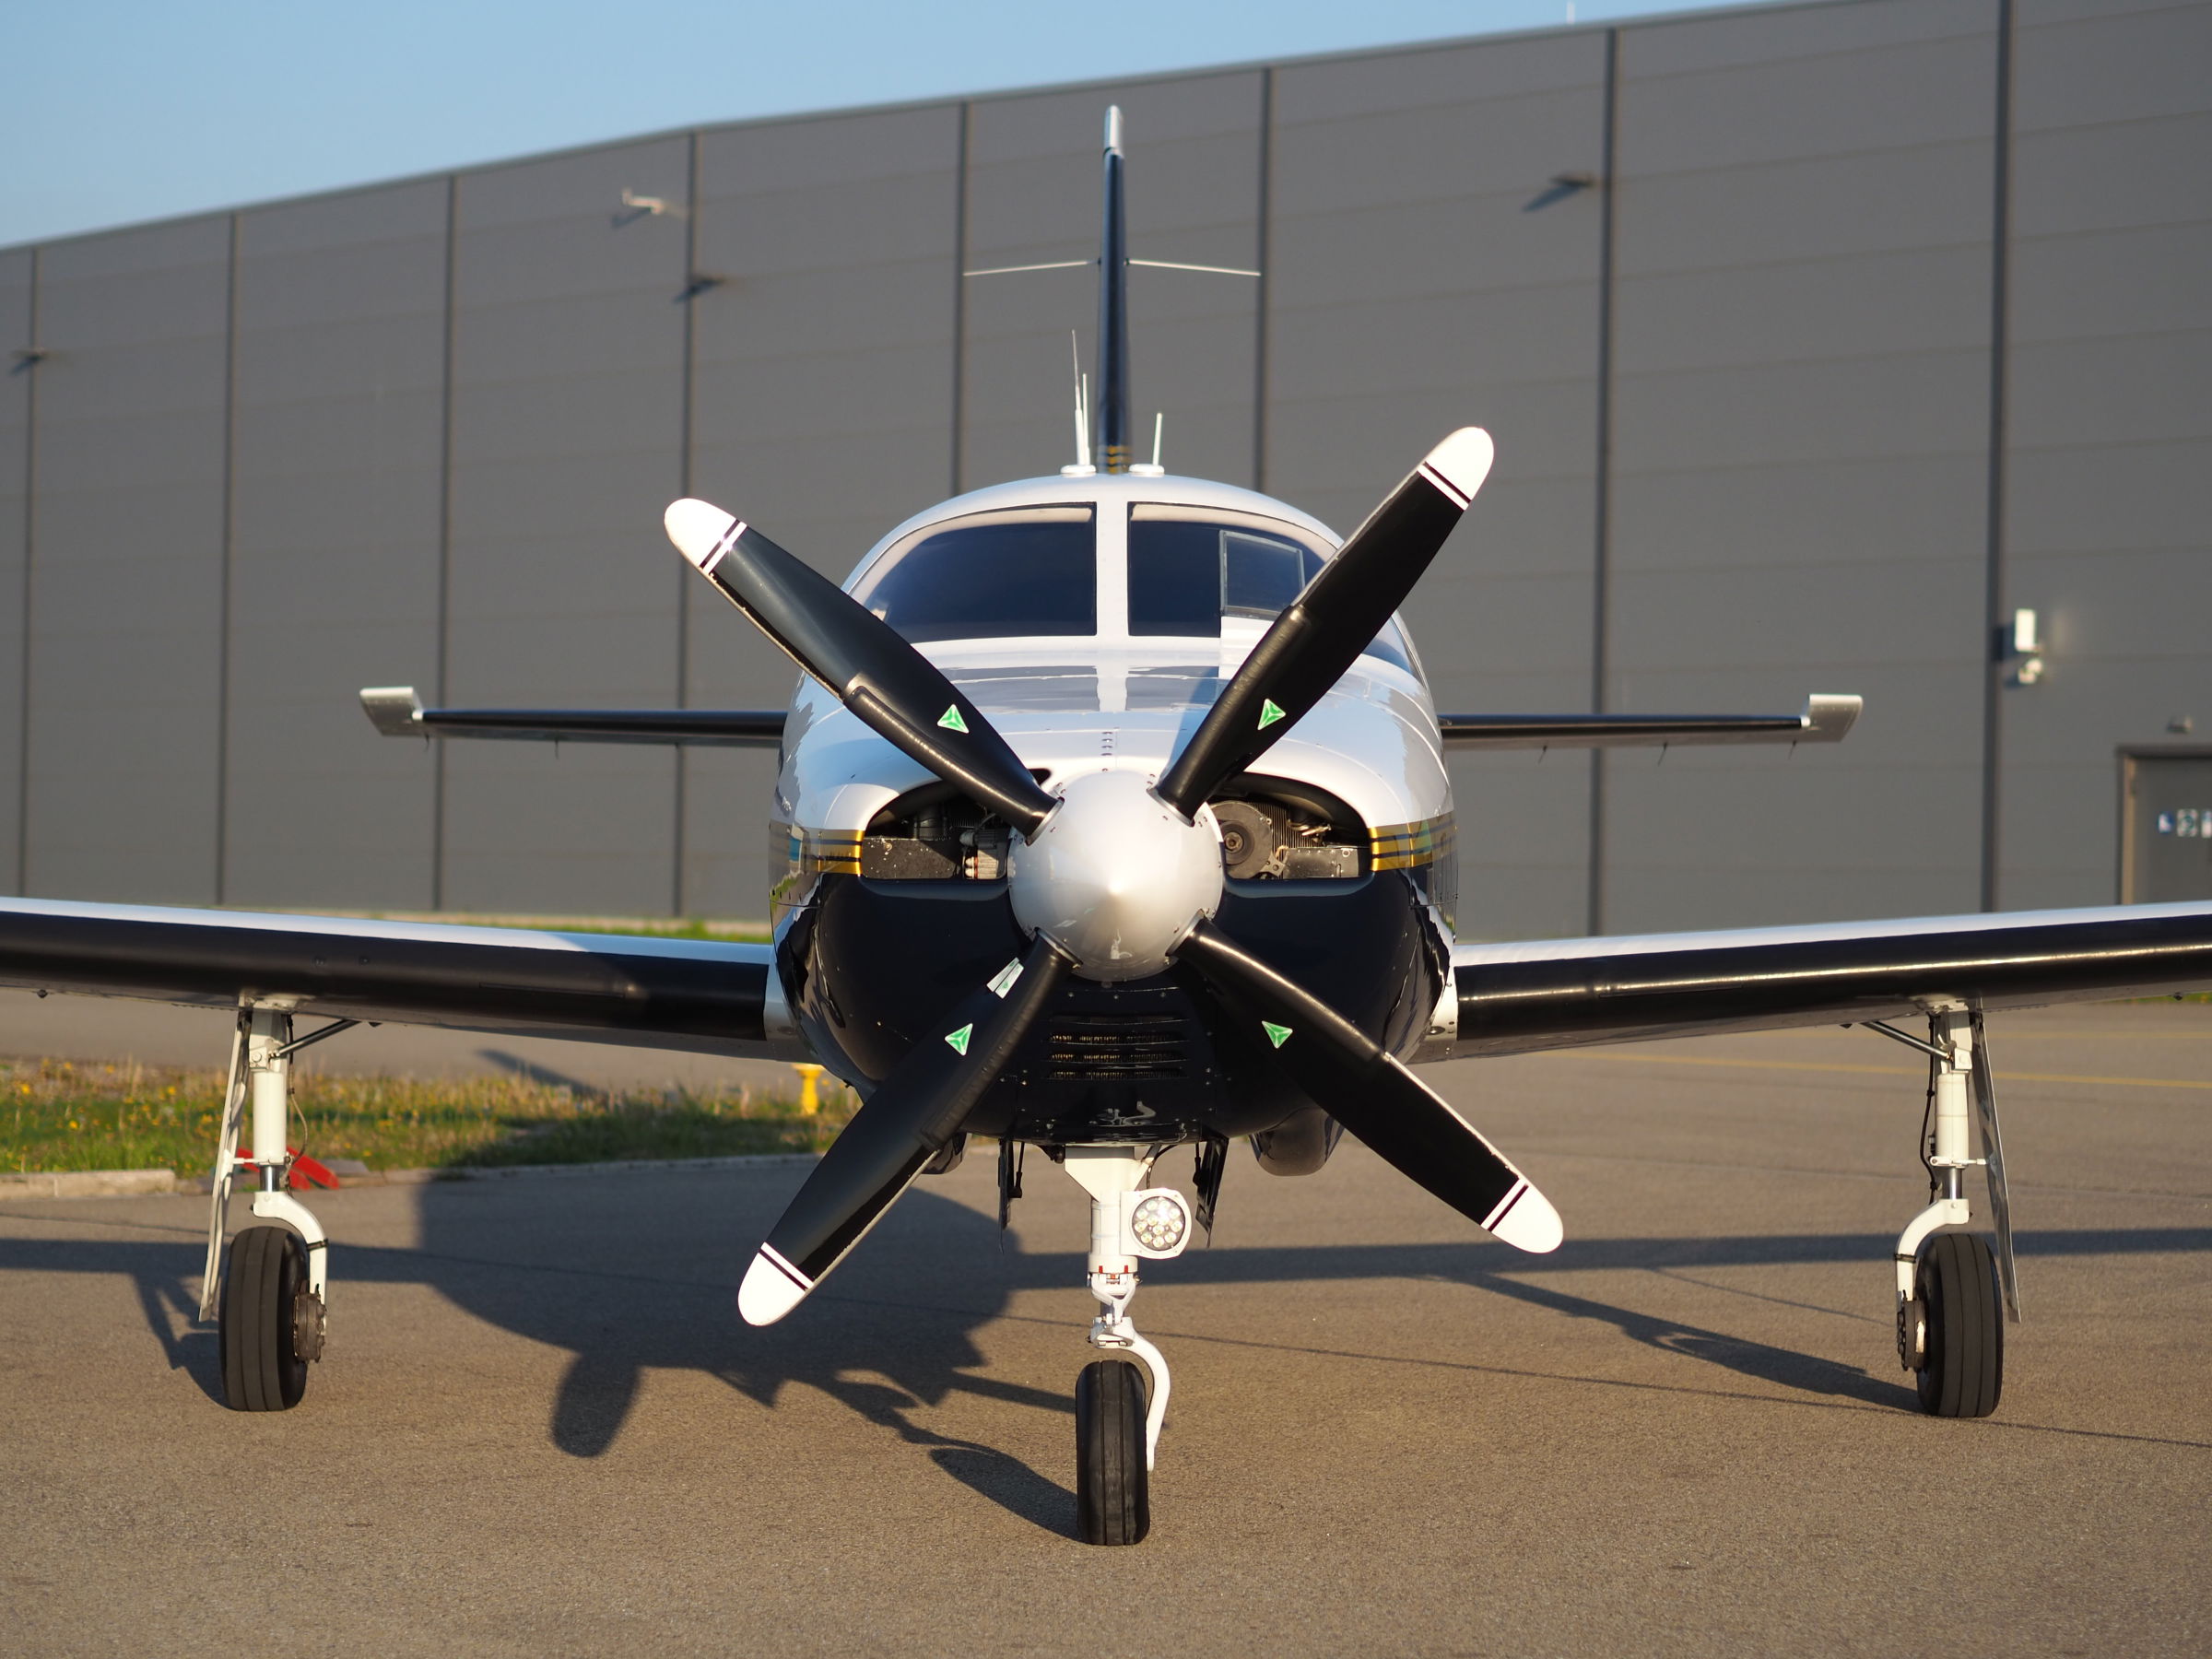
[[1817, 339]]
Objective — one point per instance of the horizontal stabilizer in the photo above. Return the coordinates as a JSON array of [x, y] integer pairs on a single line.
[[1825, 720], [397, 711]]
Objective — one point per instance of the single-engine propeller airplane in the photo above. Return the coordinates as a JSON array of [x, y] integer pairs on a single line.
[[1114, 819]]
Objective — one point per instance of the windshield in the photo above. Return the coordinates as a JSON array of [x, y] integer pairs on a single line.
[[1186, 573], [996, 576]]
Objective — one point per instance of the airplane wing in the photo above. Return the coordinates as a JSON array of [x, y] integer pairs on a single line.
[[1823, 720], [681, 994], [1571, 992], [397, 711]]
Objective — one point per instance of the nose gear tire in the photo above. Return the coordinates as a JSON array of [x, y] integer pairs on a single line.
[[1112, 1485], [263, 1370], [1963, 1373]]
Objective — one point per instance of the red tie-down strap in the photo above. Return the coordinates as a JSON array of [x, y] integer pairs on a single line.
[[305, 1172]]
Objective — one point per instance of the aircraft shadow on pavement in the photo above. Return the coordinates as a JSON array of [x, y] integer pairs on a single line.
[[626, 1280]]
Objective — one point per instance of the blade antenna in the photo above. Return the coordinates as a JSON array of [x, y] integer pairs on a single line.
[[1112, 427], [1075, 353]]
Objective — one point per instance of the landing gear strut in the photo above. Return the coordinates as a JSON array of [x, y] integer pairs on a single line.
[[1117, 1422], [1950, 1332], [270, 1305]]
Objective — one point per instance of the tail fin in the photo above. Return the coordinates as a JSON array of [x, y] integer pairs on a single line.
[[1109, 432]]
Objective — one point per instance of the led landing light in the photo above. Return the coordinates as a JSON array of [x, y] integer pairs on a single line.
[[1159, 1224]]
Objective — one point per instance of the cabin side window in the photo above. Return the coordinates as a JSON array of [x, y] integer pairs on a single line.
[[994, 576], [1188, 569]]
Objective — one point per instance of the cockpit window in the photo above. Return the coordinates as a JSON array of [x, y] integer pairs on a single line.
[[994, 576], [1186, 573]]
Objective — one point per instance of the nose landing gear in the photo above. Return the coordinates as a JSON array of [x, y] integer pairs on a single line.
[[1117, 1419]]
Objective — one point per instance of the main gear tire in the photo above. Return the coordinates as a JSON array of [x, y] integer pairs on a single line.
[[265, 1296], [1955, 1284]]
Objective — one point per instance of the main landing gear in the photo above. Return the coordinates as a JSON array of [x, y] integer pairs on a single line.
[[1950, 1334], [270, 1304], [1117, 1419]]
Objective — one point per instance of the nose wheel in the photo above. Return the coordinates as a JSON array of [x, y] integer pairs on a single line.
[[1114, 1477]]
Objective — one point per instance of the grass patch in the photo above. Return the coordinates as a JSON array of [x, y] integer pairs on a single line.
[[57, 1115]]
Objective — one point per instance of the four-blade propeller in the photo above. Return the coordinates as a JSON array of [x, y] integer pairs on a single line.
[[1068, 879]]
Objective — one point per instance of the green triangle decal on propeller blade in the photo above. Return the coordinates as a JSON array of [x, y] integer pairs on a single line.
[[1269, 714], [951, 720], [1278, 1035], [958, 1040]]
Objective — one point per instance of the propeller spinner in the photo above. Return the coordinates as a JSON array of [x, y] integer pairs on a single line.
[[1115, 877]]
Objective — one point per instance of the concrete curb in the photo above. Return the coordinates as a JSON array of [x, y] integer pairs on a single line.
[[133, 1183], [86, 1183]]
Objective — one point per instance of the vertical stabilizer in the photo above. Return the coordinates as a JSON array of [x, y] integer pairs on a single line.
[[1109, 432]]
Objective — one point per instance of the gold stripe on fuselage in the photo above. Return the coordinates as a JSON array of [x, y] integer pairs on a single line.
[[1409, 846]]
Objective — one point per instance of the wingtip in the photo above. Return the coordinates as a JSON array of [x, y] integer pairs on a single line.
[[1464, 459], [769, 1292], [697, 528], [1531, 1224]]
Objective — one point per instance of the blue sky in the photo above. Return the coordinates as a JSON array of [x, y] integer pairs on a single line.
[[122, 109]]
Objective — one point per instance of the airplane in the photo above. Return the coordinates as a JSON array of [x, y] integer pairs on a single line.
[[1114, 819]]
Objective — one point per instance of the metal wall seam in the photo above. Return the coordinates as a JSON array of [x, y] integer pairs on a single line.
[[1602, 500], [31, 522], [229, 517], [1992, 663], [445, 531], [687, 381], [1263, 260], [956, 460]]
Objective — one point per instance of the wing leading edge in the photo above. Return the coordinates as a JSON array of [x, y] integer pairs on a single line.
[[1571, 992], [680, 994]]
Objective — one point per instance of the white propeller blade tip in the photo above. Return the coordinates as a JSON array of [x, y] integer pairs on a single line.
[[697, 528], [770, 1291], [1531, 1224], [1462, 460]]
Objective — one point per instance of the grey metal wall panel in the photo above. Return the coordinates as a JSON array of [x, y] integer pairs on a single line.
[[567, 415], [1800, 456], [823, 400], [1194, 148], [335, 547], [2108, 429], [1800, 377], [126, 648], [1424, 274], [17, 275]]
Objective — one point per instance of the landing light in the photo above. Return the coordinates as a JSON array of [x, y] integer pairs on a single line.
[[1160, 1223]]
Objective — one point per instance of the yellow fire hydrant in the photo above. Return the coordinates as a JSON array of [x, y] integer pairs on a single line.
[[810, 1100]]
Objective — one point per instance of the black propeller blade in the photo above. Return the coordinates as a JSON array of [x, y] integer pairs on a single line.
[[889, 684], [917, 1110], [1372, 1094], [1323, 633]]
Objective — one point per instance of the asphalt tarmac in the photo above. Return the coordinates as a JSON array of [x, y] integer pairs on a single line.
[[542, 1430]]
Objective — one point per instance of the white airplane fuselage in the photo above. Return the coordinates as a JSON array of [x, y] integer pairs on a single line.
[[885, 914]]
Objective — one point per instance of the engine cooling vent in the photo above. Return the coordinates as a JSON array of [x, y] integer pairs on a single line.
[[1099, 1046]]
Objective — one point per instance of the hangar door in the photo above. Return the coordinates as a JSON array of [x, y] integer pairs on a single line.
[[2167, 828]]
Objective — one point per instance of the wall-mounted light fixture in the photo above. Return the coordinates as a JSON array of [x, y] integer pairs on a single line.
[[2022, 647]]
